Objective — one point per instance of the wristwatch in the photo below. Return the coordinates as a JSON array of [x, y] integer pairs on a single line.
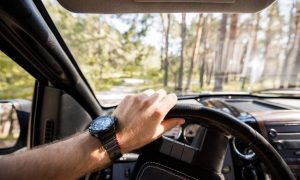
[[104, 129]]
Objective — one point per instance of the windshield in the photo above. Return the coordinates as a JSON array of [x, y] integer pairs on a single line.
[[184, 53]]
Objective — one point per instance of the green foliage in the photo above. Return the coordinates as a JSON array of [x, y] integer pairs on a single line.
[[99, 46], [14, 81], [111, 47], [106, 83]]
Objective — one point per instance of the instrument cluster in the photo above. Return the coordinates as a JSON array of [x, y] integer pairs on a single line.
[[192, 133], [186, 133]]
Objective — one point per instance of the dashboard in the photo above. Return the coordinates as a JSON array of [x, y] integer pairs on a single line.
[[277, 119]]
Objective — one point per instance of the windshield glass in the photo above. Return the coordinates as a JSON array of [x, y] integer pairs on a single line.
[[184, 53]]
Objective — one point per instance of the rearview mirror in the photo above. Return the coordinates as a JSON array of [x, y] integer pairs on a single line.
[[161, 6], [14, 117]]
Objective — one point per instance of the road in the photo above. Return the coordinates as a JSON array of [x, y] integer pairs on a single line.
[[115, 94]]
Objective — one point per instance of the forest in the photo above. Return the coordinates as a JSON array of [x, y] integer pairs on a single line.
[[180, 52]]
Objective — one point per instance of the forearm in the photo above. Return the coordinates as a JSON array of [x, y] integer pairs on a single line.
[[67, 159], [140, 121]]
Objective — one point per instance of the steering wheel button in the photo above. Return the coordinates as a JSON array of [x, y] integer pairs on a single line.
[[188, 154], [166, 146], [177, 150]]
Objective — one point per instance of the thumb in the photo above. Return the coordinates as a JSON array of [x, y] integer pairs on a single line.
[[168, 124]]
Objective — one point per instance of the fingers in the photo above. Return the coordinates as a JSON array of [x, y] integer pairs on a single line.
[[167, 103], [141, 118], [159, 95], [148, 92], [156, 97], [168, 124], [171, 123], [144, 95], [161, 102]]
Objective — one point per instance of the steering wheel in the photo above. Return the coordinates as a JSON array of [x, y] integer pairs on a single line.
[[166, 158]]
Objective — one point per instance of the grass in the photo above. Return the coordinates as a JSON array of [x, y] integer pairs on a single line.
[[107, 83], [17, 92]]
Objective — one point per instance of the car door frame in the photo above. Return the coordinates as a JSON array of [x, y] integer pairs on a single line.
[[29, 37]]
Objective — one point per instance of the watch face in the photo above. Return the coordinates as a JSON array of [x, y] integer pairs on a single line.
[[101, 124]]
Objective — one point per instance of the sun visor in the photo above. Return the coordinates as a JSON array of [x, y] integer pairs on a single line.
[[164, 6]]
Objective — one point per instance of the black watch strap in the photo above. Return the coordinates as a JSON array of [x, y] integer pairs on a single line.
[[110, 143]]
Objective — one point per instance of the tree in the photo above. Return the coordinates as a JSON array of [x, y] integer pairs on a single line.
[[272, 30], [166, 60], [219, 66], [195, 50], [290, 45], [181, 66], [231, 47], [295, 70], [219, 46], [102, 48], [162, 48], [296, 65], [250, 49], [203, 42], [15, 82]]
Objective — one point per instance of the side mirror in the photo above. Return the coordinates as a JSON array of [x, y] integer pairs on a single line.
[[14, 117]]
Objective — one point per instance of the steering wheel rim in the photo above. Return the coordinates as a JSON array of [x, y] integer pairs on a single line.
[[233, 126]]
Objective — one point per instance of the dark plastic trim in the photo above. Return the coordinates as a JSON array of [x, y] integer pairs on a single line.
[[232, 126], [29, 35]]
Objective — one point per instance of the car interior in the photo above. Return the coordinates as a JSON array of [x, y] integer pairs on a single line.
[[226, 135]]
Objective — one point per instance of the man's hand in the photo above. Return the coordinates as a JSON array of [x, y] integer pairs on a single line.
[[141, 118], [140, 122]]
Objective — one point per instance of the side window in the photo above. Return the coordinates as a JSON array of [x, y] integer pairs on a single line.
[[16, 90]]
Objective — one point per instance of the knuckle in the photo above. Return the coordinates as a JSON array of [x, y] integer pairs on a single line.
[[138, 99], [163, 91], [149, 92], [158, 113], [128, 97], [146, 103]]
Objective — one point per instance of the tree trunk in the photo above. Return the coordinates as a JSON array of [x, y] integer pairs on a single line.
[[242, 59], [210, 73], [292, 39], [295, 70], [181, 68], [271, 14], [162, 59], [251, 49], [203, 41], [166, 63], [219, 67], [162, 48], [195, 50], [233, 34]]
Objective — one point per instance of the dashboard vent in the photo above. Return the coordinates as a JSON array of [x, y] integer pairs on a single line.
[[49, 131]]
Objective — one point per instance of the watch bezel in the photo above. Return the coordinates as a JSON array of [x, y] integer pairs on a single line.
[[100, 132]]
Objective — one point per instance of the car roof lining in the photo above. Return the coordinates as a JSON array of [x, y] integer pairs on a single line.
[[164, 6]]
